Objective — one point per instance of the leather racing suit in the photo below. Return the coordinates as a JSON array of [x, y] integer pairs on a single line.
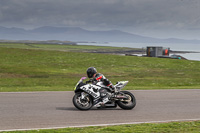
[[101, 78]]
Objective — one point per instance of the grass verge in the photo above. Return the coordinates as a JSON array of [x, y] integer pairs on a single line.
[[172, 127]]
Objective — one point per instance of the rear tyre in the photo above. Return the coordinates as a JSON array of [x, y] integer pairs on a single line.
[[82, 104], [129, 102]]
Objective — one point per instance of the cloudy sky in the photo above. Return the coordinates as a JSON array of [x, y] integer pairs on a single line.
[[155, 18]]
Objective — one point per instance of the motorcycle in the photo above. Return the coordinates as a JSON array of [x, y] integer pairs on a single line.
[[89, 95]]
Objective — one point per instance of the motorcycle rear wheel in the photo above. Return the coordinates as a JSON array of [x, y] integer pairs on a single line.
[[129, 103], [82, 104]]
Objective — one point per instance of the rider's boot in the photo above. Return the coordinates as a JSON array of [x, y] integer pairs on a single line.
[[114, 91]]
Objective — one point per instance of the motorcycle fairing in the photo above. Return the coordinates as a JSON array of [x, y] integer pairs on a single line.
[[93, 90]]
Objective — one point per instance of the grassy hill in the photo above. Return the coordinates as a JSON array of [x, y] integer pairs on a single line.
[[23, 69]]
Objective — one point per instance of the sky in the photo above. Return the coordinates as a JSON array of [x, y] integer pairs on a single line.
[[153, 18]]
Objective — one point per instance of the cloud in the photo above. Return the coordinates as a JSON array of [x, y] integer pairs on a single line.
[[102, 14]]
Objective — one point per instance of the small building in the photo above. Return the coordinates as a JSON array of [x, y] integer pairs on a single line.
[[153, 51]]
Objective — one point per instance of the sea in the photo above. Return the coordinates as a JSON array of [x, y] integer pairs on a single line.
[[174, 47]]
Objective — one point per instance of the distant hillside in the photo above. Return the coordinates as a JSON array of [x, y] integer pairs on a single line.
[[78, 34]]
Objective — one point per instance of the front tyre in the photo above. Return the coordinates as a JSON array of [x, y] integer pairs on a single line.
[[82, 104], [129, 102]]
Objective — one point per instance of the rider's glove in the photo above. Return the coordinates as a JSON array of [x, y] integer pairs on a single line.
[[89, 81]]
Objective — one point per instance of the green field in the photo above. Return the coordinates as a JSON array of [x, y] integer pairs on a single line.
[[172, 127], [49, 68], [66, 48]]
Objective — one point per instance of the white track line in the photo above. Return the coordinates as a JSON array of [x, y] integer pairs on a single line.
[[113, 124]]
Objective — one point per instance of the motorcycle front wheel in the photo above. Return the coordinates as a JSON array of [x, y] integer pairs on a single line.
[[129, 102], [82, 104]]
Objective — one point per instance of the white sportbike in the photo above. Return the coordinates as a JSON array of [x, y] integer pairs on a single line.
[[98, 95]]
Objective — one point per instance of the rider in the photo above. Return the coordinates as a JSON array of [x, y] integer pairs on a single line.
[[98, 77]]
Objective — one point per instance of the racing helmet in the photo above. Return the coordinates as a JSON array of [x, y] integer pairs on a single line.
[[91, 71]]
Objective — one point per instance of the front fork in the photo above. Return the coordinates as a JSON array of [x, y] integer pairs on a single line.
[[83, 95]]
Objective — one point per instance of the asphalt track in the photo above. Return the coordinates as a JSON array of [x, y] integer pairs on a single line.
[[46, 110]]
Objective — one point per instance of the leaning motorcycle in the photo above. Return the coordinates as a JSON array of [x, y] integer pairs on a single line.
[[88, 95]]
